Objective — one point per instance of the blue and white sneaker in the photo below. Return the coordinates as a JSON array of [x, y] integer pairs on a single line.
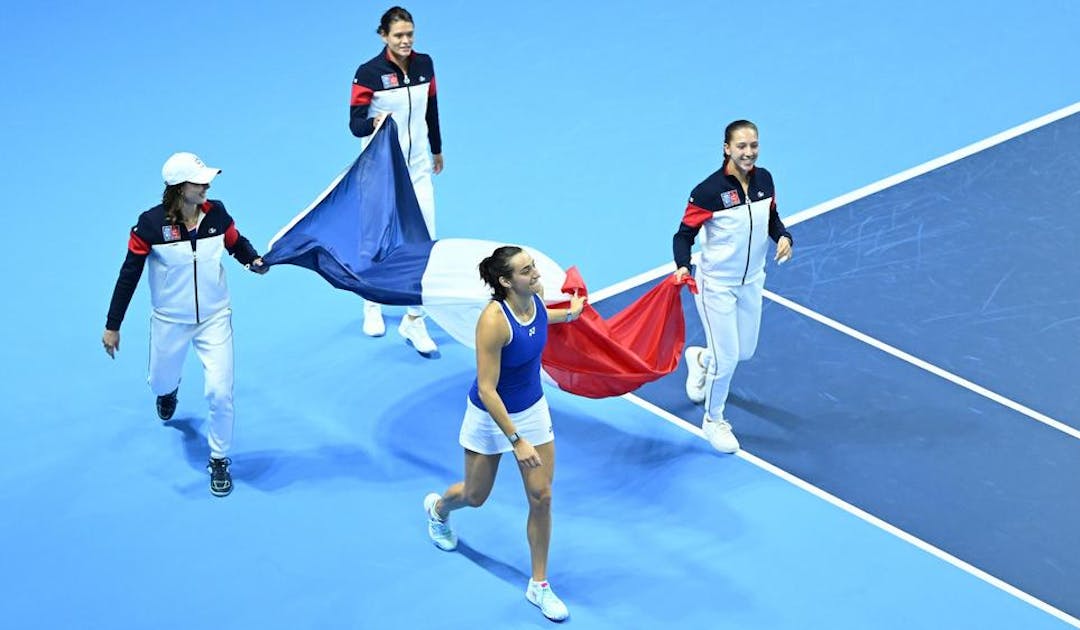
[[438, 529]]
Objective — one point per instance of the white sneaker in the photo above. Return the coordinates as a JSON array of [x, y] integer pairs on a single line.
[[541, 595], [374, 326], [695, 374], [414, 331], [439, 530], [719, 434]]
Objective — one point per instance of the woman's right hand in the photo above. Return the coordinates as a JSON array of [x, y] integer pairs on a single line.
[[526, 454], [111, 341], [681, 273], [379, 118]]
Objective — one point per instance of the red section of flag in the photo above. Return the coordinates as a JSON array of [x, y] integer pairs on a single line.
[[596, 358], [574, 283]]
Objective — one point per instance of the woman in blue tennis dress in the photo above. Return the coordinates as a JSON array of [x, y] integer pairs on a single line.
[[506, 411]]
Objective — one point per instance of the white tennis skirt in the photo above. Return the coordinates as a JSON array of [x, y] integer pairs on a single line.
[[480, 434]]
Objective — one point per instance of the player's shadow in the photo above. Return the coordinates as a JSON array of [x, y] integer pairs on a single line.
[[422, 435], [505, 572], [196, 450], [271, 470], [769, 413]]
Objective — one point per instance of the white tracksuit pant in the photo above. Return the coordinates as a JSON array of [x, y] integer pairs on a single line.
[[213, 343], [425, 197], [731, 316]]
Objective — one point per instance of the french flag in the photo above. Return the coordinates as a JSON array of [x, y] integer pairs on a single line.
[[365, 234]]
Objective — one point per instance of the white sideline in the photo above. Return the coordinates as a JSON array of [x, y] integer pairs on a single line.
[[822, 208], [867, 517]]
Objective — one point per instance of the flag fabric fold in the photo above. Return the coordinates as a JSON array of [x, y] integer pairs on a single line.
[[365, 234], [597, 358]]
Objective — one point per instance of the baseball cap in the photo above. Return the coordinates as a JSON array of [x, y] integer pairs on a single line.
[[187, 167]]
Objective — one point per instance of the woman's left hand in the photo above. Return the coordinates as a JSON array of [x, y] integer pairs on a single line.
[[438, 163], [783, 250], [577, 304], [258, 266]]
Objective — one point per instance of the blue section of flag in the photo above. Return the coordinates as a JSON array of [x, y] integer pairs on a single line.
[[366, 233]]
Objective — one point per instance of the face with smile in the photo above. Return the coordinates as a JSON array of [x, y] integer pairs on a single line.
[[194, 194], [525, 279], [742, 149], [399, 39]]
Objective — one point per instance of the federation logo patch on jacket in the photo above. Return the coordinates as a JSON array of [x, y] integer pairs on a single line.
[[389, 81], [170, 233], [730, 198]]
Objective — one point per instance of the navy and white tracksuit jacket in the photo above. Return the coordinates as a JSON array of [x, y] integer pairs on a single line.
[[191, 306], [731, 272], [736, 226], [381, 86], [187, 280]]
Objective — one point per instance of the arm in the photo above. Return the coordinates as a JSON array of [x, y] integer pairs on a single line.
[[128, 280], [359, 123], [491, 335], [240, 247], [780, 234], [432, 118], [559, 315], [693, 218]]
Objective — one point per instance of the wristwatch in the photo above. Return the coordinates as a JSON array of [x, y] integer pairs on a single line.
[[513, 437]]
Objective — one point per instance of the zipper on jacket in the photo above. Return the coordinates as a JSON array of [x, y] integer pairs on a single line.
[[408, 93], [195, 274], [750, 239]]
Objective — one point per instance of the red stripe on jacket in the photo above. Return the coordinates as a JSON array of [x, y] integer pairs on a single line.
[[138, 246], [360, 95], [231, 235], [695, 216]]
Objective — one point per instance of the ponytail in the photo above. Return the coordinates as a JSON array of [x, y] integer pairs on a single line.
[[497, 266]]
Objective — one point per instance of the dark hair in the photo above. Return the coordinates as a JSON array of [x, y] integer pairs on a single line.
[[393, 14], [173, 200], [496, 266], [735, 126]]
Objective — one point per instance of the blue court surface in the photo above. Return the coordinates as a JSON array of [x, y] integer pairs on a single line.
[[909, 422]]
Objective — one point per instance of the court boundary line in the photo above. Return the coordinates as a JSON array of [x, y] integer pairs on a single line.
[[865, 516], [859, 193], [924, 365], [868, 190], [806, 486]]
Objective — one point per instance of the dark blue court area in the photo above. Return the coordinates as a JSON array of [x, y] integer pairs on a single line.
[[969, 267]]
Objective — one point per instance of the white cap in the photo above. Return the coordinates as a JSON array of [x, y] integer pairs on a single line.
[[187, 167]]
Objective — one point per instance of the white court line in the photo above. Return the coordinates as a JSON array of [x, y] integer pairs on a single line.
[[867, 339], [866, 191], [919, 363], [936, 163], [869, 518], [814, 211]]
